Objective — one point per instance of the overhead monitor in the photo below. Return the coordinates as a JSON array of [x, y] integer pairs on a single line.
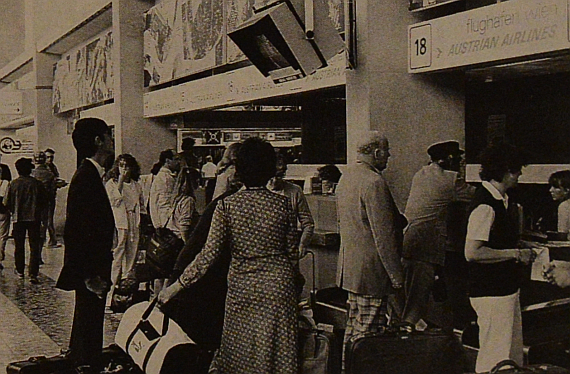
[[275, 42]]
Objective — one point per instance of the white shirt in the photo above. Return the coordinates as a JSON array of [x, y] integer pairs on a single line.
[[482, 217], [564, 216], [209, 170], [99, 168]]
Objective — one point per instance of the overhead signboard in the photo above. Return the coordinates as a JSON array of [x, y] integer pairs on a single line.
[[493, 33], [237, 87]]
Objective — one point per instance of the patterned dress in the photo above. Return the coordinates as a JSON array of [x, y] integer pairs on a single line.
[[260, 326]]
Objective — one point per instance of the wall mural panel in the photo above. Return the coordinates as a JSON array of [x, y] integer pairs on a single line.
[[237, 12], [84, 76], [182, 38]]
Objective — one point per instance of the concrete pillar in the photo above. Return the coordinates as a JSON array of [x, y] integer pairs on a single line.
[[414, 111], [143, 138]]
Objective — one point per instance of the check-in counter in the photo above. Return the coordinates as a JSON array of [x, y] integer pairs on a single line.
[[324, 244], [545, 314]]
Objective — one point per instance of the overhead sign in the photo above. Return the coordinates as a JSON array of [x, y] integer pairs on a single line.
[[237, 87], [10, 102], [493, 33]]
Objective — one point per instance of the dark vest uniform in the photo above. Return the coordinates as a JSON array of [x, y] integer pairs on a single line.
[[501, 278]]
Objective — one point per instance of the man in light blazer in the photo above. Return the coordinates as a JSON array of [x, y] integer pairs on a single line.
[[88, 239], [371, 226]]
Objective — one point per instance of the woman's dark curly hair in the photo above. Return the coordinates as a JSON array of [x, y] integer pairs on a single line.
[[560, 179], [131, 164], [500, 159], [255, 162]]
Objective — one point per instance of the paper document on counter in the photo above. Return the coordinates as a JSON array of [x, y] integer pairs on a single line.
[[540, 263]]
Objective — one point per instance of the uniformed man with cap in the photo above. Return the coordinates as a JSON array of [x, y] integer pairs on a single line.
[[434, 187]]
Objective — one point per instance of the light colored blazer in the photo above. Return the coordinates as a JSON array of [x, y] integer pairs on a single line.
[[371, 233], [433, 189]]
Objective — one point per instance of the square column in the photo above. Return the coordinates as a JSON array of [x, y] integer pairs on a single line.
[[143, 138], [413, 111]]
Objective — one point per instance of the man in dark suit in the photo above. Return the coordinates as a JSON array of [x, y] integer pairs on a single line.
[[88, 239]]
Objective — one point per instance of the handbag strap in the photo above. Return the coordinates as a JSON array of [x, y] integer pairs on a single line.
[[504, 363]]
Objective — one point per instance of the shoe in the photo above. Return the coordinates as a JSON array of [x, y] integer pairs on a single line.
[[54, 245], [34, 280], [20, 275]]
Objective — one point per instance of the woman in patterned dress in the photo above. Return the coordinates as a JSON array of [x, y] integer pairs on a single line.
[[259, 227]]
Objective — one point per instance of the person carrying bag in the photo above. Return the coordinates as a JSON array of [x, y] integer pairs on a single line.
[[162, 250]]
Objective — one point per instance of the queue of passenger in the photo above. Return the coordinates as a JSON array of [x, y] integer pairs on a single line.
[[237, 282]]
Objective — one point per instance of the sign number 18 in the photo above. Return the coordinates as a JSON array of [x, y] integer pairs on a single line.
[[420, 46]]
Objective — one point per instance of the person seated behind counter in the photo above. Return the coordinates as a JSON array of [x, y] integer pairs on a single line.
[[559, 273], [560, 191], [495, 257]]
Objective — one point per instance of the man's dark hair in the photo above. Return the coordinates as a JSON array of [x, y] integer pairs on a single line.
[[86, 130], [500, 159], [6, 173], [330, 172], [188, 143], [256, 162], [24, 166], [165, 155], [49, 150]]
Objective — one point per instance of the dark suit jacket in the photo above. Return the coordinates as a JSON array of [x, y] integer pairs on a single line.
[[89, 230]]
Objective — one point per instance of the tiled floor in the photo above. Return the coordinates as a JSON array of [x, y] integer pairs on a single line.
[[36, 319]]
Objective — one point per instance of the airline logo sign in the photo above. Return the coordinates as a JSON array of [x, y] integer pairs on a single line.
[[492, 33]]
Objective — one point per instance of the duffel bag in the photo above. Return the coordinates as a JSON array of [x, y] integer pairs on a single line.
[[156, 343]]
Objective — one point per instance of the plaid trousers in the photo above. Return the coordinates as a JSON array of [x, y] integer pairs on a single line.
[[365, 314]]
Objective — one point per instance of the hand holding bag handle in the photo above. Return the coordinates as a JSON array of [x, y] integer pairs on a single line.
[[504, 363], [148, 330]]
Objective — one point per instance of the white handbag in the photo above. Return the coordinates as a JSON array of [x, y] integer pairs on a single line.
[[155, 343]]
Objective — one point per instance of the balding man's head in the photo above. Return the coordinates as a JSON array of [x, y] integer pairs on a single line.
[[368, 141], [373, 148]]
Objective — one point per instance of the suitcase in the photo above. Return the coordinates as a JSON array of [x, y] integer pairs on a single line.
[[42, 365], [112, 360], [317, 350], [320, 345], [551, 352], [399, 350], [502, 368]]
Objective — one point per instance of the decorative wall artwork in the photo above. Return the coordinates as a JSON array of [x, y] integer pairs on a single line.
[[336, 14], [237, 12], [182, 38], [84, 76]]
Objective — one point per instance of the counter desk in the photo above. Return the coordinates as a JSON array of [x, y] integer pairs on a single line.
[[325, 244]]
